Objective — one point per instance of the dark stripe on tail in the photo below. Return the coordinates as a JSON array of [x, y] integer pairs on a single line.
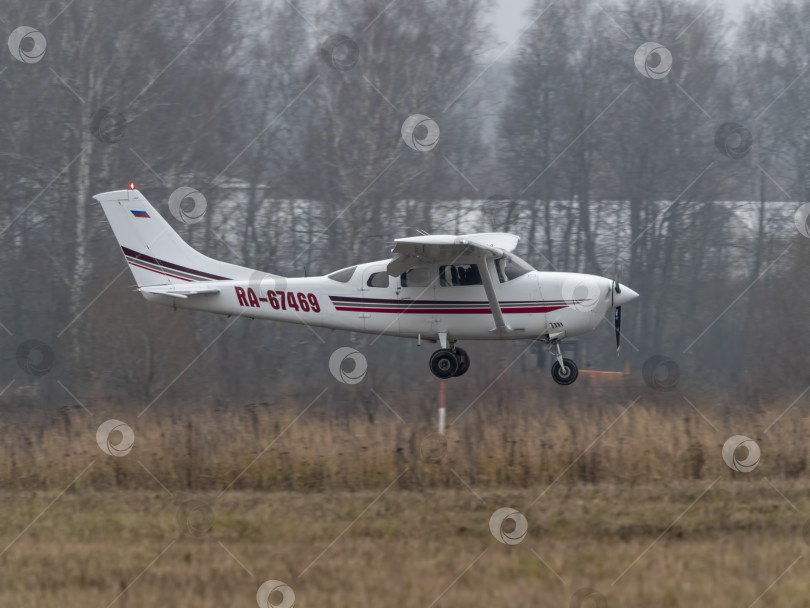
[[131, 253]]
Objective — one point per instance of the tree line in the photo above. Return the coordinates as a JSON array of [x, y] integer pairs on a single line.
[[658, 140]]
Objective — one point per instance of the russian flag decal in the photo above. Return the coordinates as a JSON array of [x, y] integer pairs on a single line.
[[139, 213]]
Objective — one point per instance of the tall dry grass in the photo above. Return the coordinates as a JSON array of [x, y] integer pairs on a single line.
[[508, 437]]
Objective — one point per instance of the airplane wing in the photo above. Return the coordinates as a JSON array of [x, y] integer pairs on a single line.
[[181, 291], [447, 248], [440, 247]]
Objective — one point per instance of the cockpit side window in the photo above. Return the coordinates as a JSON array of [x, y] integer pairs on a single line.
[[378, 279], [511, 267]]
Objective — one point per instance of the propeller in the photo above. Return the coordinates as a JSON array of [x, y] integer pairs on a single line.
[[617, 319]]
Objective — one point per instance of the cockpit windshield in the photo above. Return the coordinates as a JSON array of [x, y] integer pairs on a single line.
[[511, 267]]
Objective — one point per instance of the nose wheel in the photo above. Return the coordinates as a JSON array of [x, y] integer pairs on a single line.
[[564, 371], [449, 362]]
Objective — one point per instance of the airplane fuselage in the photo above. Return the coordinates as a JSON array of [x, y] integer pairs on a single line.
[[535, 304]]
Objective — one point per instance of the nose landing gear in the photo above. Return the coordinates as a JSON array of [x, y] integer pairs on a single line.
[[449, 362], [564, 371]]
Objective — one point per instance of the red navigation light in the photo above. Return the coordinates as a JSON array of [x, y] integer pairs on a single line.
[[131, 185]]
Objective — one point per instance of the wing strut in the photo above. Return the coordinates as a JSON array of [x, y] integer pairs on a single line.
[[489, 287]]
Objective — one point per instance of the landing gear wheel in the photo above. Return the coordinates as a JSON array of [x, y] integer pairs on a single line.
[[463, 361], [564, 375], [444, 363]]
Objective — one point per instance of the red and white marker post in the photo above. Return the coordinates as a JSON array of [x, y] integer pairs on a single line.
[[441, 407]]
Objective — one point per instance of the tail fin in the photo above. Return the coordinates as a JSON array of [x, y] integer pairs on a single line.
[[154, 251]]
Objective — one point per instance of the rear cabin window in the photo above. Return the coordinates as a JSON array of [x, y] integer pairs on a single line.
[[378, 279], [459, 275], [343, 276]]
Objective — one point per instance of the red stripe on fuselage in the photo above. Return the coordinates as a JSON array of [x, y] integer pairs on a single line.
[[452, 311]]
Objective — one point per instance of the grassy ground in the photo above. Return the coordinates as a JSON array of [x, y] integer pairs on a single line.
[[626, 494], [718, 543]]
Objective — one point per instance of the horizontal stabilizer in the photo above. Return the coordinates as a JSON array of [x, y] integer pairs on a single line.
[[180, 291]]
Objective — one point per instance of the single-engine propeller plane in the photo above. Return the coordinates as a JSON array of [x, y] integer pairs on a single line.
[[437, 288]]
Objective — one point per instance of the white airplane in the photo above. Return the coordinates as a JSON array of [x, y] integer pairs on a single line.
[[438, 288]]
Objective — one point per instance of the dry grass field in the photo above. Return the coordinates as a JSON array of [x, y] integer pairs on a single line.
[[503, 440], [630, 498], [408, 548]]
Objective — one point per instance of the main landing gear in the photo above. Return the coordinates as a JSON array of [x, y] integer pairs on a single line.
[[564, 371], [454, 361], [449, 362]]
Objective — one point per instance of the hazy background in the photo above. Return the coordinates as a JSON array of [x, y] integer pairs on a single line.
[[688, 183], [158, 457]]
